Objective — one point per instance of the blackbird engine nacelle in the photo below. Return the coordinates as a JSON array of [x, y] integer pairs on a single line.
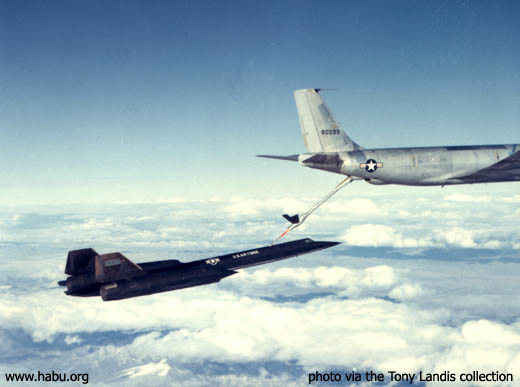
[[142, 286], [79, 282], [125, 289]]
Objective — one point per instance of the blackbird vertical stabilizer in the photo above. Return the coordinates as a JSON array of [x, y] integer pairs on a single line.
[[80, 261], [115, 266]]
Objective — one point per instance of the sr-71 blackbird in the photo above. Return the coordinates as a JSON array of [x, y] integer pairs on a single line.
[[330, 149], [114, 277]]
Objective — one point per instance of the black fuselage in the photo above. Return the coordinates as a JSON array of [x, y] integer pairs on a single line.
[[163, 276]]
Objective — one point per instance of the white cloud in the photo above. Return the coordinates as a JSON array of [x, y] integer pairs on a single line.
[[369, 333], [171, 200], [512, 199], [457, 236], [492, 244], [353, 207], [209, 324], [160, 369], [212, 324], [219, 234], [469, 238], [406, 291], [458, 197], [243, 207], [488, 333], [38, 314], [69, 340], [340, 311], [290, 281], [485, 346], [341, 333], [240, 207], [380, 235], [376, 235]]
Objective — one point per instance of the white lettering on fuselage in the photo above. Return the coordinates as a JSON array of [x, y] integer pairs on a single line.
[[245, 254]]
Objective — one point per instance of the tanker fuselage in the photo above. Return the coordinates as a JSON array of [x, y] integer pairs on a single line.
[[419, 166]]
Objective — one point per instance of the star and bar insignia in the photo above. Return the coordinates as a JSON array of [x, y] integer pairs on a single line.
[[371, 165]]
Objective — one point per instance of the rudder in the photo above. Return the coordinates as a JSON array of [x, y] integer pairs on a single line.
[[80, 261], [320, 130]]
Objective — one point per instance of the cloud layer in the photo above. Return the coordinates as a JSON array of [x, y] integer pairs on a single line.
[[420, 284]]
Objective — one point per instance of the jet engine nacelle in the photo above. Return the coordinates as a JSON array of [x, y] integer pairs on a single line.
[[125, 289], [143, 286], [78, 282]]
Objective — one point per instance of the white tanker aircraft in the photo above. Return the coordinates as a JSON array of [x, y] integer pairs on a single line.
[[330, 149]]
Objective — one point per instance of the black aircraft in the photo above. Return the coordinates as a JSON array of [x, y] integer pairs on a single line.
[[114, 277]]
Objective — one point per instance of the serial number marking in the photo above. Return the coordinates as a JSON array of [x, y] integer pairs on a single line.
[[112, 262], [245, 254]]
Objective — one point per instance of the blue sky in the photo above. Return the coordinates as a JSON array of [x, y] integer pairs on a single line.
[[132, 126], [145, 101]]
